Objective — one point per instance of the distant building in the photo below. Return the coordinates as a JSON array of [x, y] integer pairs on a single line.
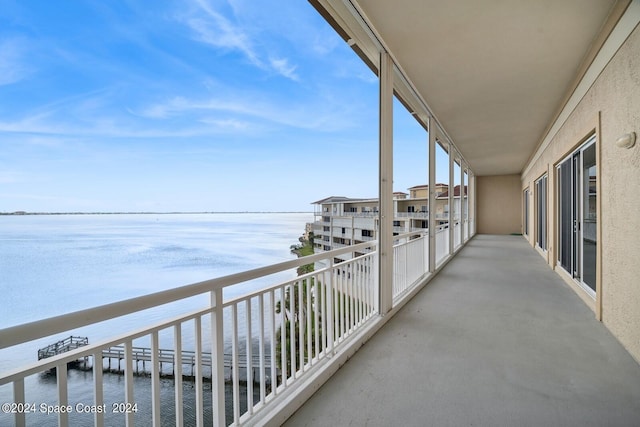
[[343, 221]]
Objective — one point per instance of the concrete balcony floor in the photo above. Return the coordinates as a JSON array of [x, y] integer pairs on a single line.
[[496, 339]]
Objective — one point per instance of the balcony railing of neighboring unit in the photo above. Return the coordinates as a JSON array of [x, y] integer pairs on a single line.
[[361, 214], [423, 215]]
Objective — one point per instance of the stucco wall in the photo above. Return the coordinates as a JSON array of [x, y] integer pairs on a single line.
[[613, 103], [499, 209]]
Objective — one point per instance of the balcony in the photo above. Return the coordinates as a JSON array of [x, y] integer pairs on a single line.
[[495, 339]]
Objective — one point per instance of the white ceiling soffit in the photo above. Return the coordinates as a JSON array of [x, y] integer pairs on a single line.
[[495, 73]]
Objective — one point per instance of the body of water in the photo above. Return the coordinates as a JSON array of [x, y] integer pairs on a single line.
[[56, 264]]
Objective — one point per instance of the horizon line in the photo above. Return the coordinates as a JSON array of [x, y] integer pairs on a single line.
[[19, 213]]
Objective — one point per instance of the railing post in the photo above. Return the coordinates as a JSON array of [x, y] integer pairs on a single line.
[[18, 397], [217, 359], [452, 239], [330, 301], [385, 239], [432, 196], [128, 381], [460, 209]]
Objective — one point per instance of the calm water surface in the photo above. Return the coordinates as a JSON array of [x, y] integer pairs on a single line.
[[55, 264]]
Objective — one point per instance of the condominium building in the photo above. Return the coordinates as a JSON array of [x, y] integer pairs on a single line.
[[343, 221]]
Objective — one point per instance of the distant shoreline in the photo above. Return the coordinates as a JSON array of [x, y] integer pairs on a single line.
[[22, 213]]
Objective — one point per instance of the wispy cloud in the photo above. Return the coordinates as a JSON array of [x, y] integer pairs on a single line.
[[215, 29], [13, 66], [282, 66], [318, 114]]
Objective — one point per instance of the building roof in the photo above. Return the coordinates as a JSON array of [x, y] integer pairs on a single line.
[[331, 199], [416, 187], [456, 192], [342, 199]]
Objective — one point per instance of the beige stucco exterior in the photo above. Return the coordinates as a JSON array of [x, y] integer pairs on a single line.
[[498, 204], [610, 108]]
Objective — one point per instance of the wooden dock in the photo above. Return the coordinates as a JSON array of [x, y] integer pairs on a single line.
[[166, 357], [62, 346]]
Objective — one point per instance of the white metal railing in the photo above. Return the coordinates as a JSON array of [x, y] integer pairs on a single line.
[[442, 243], [275, 336], [371, 214], [423, 215], [410, 262], [456, 234], [255, 348]]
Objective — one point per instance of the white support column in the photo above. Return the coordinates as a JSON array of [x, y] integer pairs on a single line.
[[468, 214], [385, 244], [432, 195], [451, 199], [461, 207], [472, 203]]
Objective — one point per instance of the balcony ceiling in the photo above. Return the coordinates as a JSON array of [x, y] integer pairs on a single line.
[[494, 72]]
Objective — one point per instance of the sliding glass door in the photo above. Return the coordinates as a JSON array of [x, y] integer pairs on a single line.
[[577, 221]]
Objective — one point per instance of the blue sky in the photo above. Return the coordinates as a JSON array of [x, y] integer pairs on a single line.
[[196, 105]]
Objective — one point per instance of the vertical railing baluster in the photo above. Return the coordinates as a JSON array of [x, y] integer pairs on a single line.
[[63, 393], [128, 381], [235, 366], [155, 380], [301, 325], [316, 311], [283, 337], [324, 312], [198, 373], [309, 321], [358, 289], [342, 304], [18, 397], [177, 374], [274, 339], [217, 359], [263, 389], [333, 308], [352, 294], [249, 356], [292, 329], [98, 388]]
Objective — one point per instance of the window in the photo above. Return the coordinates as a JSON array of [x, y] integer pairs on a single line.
[[367, 233], [411, 209], [541, 213]]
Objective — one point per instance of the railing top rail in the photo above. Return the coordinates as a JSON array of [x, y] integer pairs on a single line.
[[300, 278], [19, 334], [88, 350]]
